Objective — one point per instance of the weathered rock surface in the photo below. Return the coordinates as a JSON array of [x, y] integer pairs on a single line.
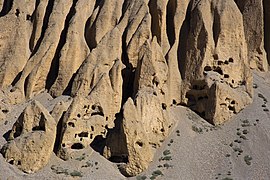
[[216, 61], [31, 139], [266, 7], [253, 18], [14, 39], [124, 63]]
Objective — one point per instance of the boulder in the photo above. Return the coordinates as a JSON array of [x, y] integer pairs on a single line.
[[31, 139]]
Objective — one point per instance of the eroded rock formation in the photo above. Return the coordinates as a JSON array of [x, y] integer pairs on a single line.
[[216, 69], [124, 63], [31, 140]]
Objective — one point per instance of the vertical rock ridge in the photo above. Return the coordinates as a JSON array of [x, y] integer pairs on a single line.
[[266, 8]]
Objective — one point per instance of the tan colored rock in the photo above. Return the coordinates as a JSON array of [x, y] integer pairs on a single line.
[[176, 19], [14, 47], [58, 114], [158, 11], [145, 121], [138, 31], [99, 62], [217, 52], [145, 125], [152, 69], [37, 23], [228, 102], [82, 123], [137, 142], [142, 131], [1, 4], [59, 110], [106, 17], [98, 91], [4, 108], [124, 63], [31, 140], [266, 6], [176, 13], [253, 18], [75, 49], [38, 66]]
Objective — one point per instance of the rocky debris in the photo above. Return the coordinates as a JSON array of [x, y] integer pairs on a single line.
[[31, 139], [124, 63]]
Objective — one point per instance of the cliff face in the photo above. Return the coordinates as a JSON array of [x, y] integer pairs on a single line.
[[124, 63]]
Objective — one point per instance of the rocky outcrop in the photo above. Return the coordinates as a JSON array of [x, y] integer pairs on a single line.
[[139, 122], [97, 99], [74, 48], [266, 8], [216, 62], [253, 19], [143, 136], [123, 64], [31, 139], [14, 44]]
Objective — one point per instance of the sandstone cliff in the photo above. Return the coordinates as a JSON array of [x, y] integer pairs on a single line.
[[124, 63]]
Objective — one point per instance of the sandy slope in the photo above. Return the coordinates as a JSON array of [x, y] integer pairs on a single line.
[[208, 155], [197, 149]]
